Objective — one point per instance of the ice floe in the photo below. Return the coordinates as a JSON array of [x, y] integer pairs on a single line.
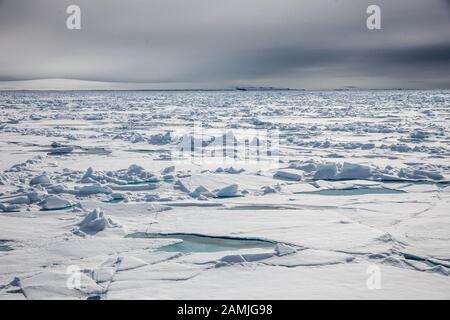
[[229, 192], [42, 180], [55, 203], [288, 174]]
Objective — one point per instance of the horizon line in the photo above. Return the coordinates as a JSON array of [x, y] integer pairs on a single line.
[[234, 89]]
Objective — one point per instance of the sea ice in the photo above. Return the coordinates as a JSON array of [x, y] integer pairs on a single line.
[[61, 150], [42, 180], [201, 191], [288, 174], [229, 191], [95, 222], [94, 189], [354, 171], [326, 171], [55, 203], [360, 179]]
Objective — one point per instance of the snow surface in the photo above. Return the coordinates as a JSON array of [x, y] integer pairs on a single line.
[[362, 180]]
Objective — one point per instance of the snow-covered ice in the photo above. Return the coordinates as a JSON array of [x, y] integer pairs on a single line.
[[100, 183]]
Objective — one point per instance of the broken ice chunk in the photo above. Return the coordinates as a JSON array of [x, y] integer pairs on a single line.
[[55, 203], [354, 171], [135, 169], [18, 200], [10, 208], [130, 263], [152, 197], [268, 190], [60, 151], [308, 167], [180, 186], [36, 196], [87, 176], [288, 174], [168, 178], [326, 171], [283, 249], [95, 222], [242, 258], [229, 191], [233, 170], [43, 180], [119, 197], [94, 189], [201, 191], [419, 135], [160, 139], [168, 170]]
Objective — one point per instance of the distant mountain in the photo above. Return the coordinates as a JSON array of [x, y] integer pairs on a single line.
[[70, 84], [54, 84], [58, 84]]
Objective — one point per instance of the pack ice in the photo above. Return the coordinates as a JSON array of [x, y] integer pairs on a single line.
[[100, 200]]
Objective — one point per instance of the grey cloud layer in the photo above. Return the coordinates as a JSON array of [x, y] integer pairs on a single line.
[[310, 44]]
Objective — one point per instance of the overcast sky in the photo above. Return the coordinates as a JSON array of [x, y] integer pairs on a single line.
[[309, 44]]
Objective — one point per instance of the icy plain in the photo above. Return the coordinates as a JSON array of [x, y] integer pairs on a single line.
[[97, 203]]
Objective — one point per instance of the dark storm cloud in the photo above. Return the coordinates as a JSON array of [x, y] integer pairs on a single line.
[[286, 59], [210, 43], [282, 61], [438, 54]]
